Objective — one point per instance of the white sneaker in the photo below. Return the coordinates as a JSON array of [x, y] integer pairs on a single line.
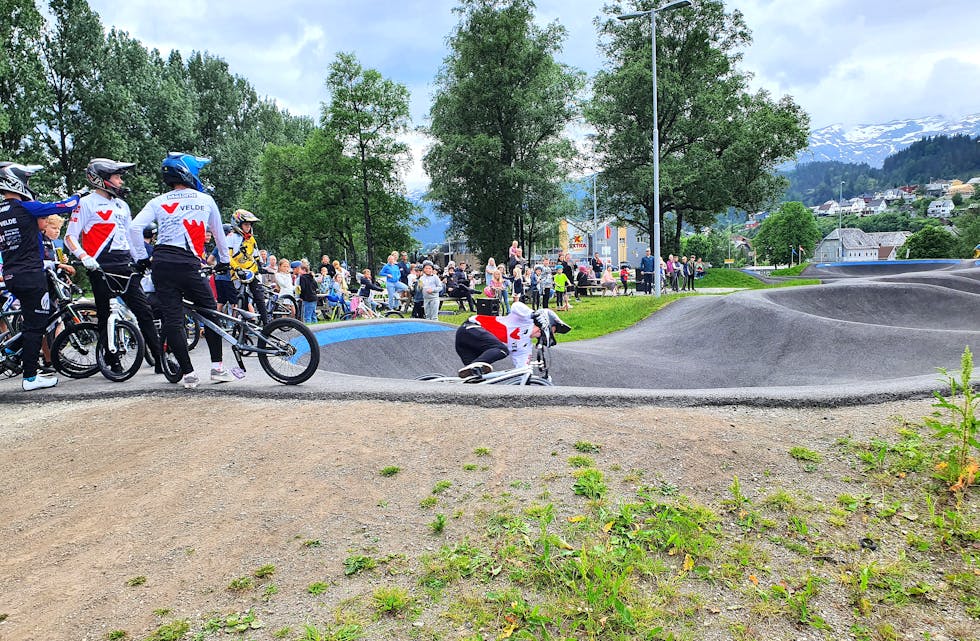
[[478, 368], [40, 381], [190, 381], [221, 376]]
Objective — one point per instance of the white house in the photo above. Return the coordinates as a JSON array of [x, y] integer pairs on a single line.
[[856, 246], [875, 207], [829, 208], [940, 208], [853, 206], [889, 242], [937, 188]]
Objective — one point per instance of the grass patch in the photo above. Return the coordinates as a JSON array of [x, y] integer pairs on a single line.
[[172, 631], [580, 460], [358, 563], [441, 486], [587, 447], [804, 454], [136, 581], [391, 600], [241, 584], [390, 470], [795, 270], [482, 451], [316, 588], [438, 524], [265, 571]]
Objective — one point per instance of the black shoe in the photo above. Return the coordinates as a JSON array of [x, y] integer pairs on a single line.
[[46, 370]]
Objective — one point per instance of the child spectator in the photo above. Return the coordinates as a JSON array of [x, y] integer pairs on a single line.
[[561, 285], [307, 293], [624, 275], [431, 286]]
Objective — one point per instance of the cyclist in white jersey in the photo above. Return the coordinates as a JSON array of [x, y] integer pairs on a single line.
[[98, 234], [182, 215]]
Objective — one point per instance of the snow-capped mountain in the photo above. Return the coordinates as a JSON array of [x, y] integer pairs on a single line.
[[871, 144]]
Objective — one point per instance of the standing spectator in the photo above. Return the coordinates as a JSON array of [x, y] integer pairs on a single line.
[[689, 274], [326, 262], [405, 267], [514, 249], [671, 274], [546, 282], [561, 286], [415, 289], [284, 283], [489, 270], [647, 267], [307, 294], [393, 281], [682, 273], [269, 274], [516, 260], [699, 269], [500, 290], [535, 286], [596, 265], [431, 288], [518, 284], [624, 275]]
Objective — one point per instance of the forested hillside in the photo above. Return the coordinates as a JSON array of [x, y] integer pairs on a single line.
[[941, 157]]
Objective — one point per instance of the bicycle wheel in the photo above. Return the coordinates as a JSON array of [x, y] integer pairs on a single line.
[[537, 380], [393, 313], [169, 365], [429, 377], [298, 355], [73, 352], [125, 362], [192, 327]]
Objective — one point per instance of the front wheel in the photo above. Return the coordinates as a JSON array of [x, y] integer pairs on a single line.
[[537, 380], [297, 353], [169, 364], [122, 364], [429, 377], [73, 352], [394, 313]]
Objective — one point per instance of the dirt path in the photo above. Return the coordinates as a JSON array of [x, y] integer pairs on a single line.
[[192, 494]]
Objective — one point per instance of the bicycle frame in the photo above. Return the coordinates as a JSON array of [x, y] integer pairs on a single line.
[[514, 376], [201, 316]]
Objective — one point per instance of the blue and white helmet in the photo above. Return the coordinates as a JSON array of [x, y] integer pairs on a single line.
[[183, 169]]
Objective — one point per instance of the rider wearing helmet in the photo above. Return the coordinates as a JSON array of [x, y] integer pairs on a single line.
[[244, 258], [23, 260], [182, 215], [98, 235], [482, 340]]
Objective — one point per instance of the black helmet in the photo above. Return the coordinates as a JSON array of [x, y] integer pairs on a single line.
[[149, 231], [14, 178], [226, 228], [183, 169], [99, 171]]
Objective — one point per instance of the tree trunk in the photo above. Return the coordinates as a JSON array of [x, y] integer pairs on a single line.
[[365, 196]]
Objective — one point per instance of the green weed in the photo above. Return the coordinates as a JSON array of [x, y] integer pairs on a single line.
[[391, 600], [358, 563], [136, 581], [482, 451], [804, 454], [241, 584], [116, 635], [389, 470], [317, 588], [580, 460], [173, 631], [428, 502], [590, 484], [586, 447], [958, 468], [441, 486], [265, 571], [438, 524]]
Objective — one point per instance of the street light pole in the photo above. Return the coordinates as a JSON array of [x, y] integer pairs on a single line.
[[677, 4], [840, 223]]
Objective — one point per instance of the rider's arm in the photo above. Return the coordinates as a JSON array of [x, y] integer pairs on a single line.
[[41, 210], [144, 218], [220, 242], [76, 223]]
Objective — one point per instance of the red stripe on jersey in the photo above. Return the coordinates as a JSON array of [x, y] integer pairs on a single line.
[[195, 232], [494, 326], [96, 237]]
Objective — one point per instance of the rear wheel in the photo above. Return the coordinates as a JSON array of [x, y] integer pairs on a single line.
[[298, 353], [429, 377], [169, 365], [192, 327], [537, 380], [122, 364], [73, 352], [393, 313]]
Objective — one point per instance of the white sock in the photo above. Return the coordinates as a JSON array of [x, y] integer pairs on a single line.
[[215, 365]]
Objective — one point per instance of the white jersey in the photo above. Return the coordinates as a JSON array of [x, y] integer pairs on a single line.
[[99, 224], [182, 216], [514, 332]]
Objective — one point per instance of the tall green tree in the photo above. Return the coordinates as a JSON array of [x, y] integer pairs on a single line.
[[365, 113], [719, 143], [501, 107], [783, 233], [73, 48], [22, 90], [930, 242]]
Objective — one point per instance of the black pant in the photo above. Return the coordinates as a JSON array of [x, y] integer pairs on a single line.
[[475, 344], [134, 297], [258, 295], [648, 282], [545, 297], [176, 282], [32, 292], [689, 285], [462, 293], [673, 281], [535, 298]]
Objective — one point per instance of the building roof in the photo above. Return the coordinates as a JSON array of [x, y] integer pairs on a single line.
[[854, 238], [890, 238]]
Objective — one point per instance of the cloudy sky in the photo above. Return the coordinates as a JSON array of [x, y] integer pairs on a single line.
[[845, 62]]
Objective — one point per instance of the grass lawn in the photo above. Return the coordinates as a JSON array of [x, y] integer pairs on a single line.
[[736, 278], [790, 271]]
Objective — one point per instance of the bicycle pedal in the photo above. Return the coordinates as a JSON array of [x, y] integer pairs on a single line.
[[237, 372]]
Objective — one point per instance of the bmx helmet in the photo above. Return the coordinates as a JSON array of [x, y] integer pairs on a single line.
[[245, 275], [522, 311], [14, 178], [243, 216], [149, 231], [100, 170], [183, 169], [226, 228]]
